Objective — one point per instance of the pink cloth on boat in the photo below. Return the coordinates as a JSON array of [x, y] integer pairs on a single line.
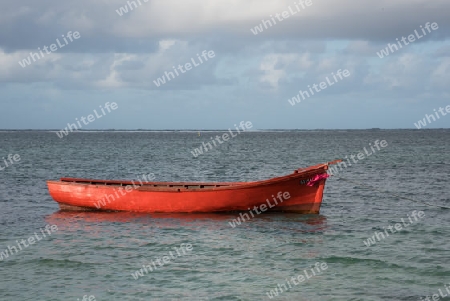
[[317, 178]]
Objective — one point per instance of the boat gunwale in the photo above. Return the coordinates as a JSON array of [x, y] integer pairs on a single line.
[[196, 186]]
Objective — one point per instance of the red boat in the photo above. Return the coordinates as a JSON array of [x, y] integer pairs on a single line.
[[299, 192]]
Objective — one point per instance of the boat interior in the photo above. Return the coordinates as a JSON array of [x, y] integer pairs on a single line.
[[185, 185]]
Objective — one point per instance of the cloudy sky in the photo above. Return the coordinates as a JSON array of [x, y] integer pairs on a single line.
[[119, 56]]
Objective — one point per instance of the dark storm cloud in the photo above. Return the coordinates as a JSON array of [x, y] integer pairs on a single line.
[[29, 24]]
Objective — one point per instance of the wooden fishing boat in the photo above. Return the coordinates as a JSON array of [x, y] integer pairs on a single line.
[[299, 192]]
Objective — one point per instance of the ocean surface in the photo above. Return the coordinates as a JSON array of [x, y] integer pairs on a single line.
[[95, 254]]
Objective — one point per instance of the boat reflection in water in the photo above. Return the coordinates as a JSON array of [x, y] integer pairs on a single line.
[[88, 220], [128, 233]]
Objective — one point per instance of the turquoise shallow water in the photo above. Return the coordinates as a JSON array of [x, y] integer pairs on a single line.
[[96, 253]]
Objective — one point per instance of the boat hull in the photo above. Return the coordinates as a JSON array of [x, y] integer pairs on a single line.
[[290, 193]]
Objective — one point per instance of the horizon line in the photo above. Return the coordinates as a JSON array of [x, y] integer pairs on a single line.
[[215, 130]]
